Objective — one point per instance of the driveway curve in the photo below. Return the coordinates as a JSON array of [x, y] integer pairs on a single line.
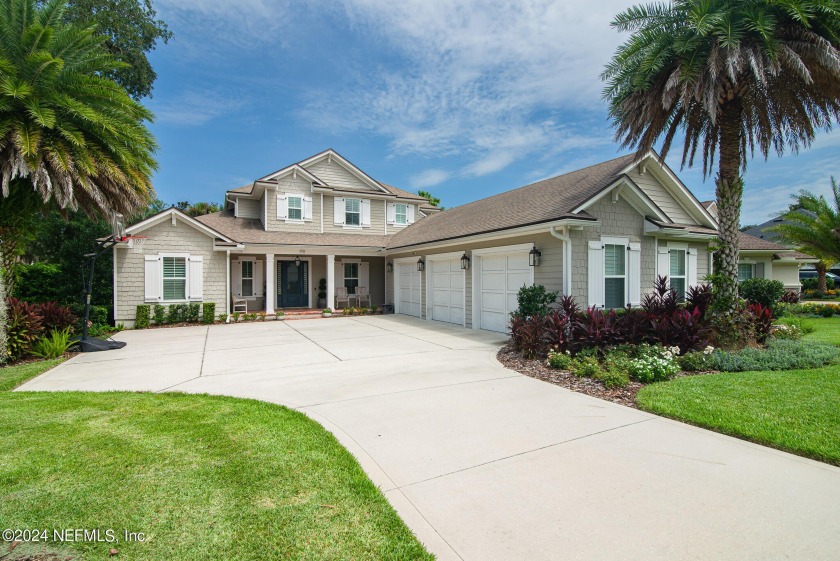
[[483, 463]]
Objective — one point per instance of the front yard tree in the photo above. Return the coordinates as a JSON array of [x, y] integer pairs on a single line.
[[730, 77], [813, 226]]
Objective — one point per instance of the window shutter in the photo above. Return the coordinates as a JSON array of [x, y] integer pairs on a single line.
[[258, 278], [691, 267], [364, 275], [365, 204], [236, 277], [338, 204], [307, 208], [282, 207], [758, 270], [195, 277], [596, 274], [409, 213], [663, 262], [634, 274], [153, 279], [392, 213]]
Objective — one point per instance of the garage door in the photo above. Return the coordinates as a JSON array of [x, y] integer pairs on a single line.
[[447, 290], [501, 276], [408, 289]]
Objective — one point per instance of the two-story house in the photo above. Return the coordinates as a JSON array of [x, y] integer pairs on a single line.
[[601, 234]]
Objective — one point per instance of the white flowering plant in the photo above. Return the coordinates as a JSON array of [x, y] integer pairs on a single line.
[[786, 331], [560, 360], [654, 364]]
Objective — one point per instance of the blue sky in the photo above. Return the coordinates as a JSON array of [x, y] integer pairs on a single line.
[[463, 98]]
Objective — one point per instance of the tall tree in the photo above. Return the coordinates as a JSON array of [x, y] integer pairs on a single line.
[[816, 231], [132, 29], [67, 132], [730, 76], [434, 201], [197, 209]]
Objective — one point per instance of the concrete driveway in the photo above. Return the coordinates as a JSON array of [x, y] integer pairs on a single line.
[[483, 463]]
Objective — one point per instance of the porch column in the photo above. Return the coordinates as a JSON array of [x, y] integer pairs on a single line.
[[331, 281], [270, 279]]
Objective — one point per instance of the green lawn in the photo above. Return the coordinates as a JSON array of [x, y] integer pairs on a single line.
[[202, 477], [13, 376], [795, 410]]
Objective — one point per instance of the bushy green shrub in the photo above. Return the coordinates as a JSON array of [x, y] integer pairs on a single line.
[[53, 345], [223, 318], [235, 316], [193, 311], [828, 311], [780, 354], [208, 312], [534, 300], [559, 360], [39, 282], [586, 367], [804, 328], [811, 284], [160, 314], [766, 292], [655, 365], [177, 313], [613, 377], [4, 317], [142, 317]]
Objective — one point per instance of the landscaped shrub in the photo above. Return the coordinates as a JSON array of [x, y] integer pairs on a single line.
[[613, 377], [827, 311], [53, 345], [786, 331], [141, 318], [56, 317], [655, 364], [223, 318], [811, 284], [696, 361], [798, 323], [530, 339], [586, 367], [39, 282], [4, 317], [24, 327], [535, 300], [761, 319], [559, 360], [208, 312], [789, 297], [699, 297], [235, 316], [780, 354], [766, 292], [193, 312], [160, 314]]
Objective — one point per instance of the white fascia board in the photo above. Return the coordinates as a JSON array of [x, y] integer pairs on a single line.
[[294, 168], [346, 164], [308, 250], [696, 208], [642, 199], [161, 216], [357, 194]]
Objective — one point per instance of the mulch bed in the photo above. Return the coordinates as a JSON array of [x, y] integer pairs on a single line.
[[539, 369]]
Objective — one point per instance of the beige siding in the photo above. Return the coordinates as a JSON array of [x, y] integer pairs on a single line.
[[249, 208], [301, 187], [165, 238], [617, 219], [660, 195], [377, 218], [335, 175]]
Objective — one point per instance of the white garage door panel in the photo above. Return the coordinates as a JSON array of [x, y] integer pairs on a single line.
[[447, 294], [408, 289], [501, 277]]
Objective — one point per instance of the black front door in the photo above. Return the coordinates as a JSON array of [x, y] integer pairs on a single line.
[[292, 282]]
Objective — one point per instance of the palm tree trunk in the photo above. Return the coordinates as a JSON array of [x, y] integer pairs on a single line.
[[822, 269], [729, 189]]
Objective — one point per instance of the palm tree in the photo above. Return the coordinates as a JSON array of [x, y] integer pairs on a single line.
[[67, 133], [814, 227], [731, 76]]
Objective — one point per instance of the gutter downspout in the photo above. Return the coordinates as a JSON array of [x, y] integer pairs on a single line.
[[567, 259]]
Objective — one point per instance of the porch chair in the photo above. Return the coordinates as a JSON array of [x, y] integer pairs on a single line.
[[362, 294], [341, 296], [239, 304]]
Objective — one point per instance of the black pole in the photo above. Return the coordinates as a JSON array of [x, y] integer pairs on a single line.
[[89, 285]]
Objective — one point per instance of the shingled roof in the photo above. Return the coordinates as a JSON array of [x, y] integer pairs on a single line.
[[544, 201]]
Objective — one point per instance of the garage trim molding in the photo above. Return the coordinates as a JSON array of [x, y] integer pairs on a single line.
[[476, 280], [428, 272]]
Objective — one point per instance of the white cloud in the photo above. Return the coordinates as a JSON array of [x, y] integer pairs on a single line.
[[429, 178], [193, 108], [239, 22]]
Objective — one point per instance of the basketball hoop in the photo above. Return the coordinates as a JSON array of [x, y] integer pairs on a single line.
[[135, 243], [118, 227]]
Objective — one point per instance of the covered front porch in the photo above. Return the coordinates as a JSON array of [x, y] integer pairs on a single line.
[[294, 280]]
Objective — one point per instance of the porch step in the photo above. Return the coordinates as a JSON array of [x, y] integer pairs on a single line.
[[304, 313]]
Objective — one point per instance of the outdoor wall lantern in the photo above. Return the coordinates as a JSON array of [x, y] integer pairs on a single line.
[[421, 265], [534, 257], [389, 266], [297, 261], [465, 261]]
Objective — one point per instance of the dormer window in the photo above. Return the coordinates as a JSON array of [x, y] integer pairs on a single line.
[[352, 212], [401, 214]]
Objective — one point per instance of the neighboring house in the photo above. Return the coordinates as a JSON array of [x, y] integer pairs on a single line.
[[764, 232], [601, 234]]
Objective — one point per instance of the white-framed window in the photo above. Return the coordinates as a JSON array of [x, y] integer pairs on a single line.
[[746, 271], [677, 270], [615, 275], [295, 207], [351, 277], [400, 214], [247, 278], [174, 278], [353, 212]]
